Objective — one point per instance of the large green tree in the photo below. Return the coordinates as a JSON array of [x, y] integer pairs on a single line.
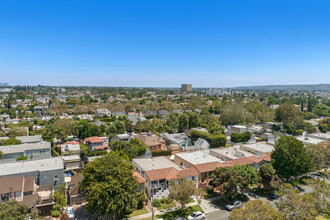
[[295, 206], [317, 155], [286, 112], [12, 210], [182, 190], [183, 122], [133, 148], [256, 210], [228, 181], [268, 178], [110, 186], [290, 157]]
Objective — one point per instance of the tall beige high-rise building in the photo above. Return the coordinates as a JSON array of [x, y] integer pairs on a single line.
[[186, 87]]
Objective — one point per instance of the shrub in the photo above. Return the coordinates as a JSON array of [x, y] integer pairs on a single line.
[[161, 153], [209, 190], [55, 213], [157, 203], [23, 157], [243, 137], [323, 127], [214, 140]]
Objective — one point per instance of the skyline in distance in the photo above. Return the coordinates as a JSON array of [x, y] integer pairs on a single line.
[[164, 43]]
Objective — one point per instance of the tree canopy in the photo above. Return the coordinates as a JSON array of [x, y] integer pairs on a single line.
[[110, 186], [290, 157], [256, 210]]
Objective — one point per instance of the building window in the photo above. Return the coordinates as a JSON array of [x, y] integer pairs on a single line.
[[45, 178], [193, 178]]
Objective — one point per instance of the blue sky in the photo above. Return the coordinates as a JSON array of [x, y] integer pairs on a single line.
[[163, 43]]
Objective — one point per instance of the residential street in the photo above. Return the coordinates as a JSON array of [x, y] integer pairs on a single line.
[[218, 215]]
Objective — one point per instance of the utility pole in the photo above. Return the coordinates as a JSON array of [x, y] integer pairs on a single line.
[[152, 207]]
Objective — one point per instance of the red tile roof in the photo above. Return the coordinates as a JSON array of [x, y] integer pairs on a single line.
[[139, 177], [188, 172], [94, 139], [165, 173]]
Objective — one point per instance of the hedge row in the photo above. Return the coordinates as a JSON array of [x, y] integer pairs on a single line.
[[218, 140], [161, 153]]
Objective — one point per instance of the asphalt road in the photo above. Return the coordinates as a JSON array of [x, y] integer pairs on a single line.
[[218, 215]]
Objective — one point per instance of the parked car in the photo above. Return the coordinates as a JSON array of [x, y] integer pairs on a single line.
[[70, 212], [234, 205], [197, 216], [272, 196]]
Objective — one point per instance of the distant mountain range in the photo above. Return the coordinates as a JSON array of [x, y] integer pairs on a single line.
[[315, 87]]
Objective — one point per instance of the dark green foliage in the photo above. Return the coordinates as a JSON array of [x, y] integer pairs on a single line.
[[120, 127], [110, 186], [248, 172], [23, 157], [290, 157], [309, 115], [324, 125], [133, 148], [309, 128], [243, 137], [157, 203], [161, 153], [215, 141], [12, 210], [9, 141], [276, 127], [268, 178], [228, 181], [322, 110], [183, 122], [287, 112]]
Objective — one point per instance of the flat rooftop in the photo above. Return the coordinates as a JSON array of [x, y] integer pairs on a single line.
[[309, 140], [10, 149], [230, 152], [155, 163], [323, 136], [260, 147], [26, 139], [198, 157], [54, 163]]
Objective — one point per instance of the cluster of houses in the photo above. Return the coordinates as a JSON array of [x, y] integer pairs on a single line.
[[32, 180], [156, 173]]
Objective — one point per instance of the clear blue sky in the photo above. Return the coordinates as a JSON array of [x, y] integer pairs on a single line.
[[163, 43]]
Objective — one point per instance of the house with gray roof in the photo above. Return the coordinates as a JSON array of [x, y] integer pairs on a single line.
[[178, 138], [135, 119], [35, 151], [45, 172]]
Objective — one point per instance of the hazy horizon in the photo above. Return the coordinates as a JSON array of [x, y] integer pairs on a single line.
[[213, 44]]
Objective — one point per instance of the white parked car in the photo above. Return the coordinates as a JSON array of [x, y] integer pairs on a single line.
[[197, 216], [70, 212], [234, 205]]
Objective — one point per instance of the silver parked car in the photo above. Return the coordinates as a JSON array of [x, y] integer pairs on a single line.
[[234, 205], [197, 216]]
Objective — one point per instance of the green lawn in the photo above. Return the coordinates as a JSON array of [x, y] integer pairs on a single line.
[[139, 212], [320, 217], [178, 213], [166, 206]]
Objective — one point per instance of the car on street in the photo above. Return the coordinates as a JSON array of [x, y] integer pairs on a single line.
[[234, 205], [197, 216], [70, 212]]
